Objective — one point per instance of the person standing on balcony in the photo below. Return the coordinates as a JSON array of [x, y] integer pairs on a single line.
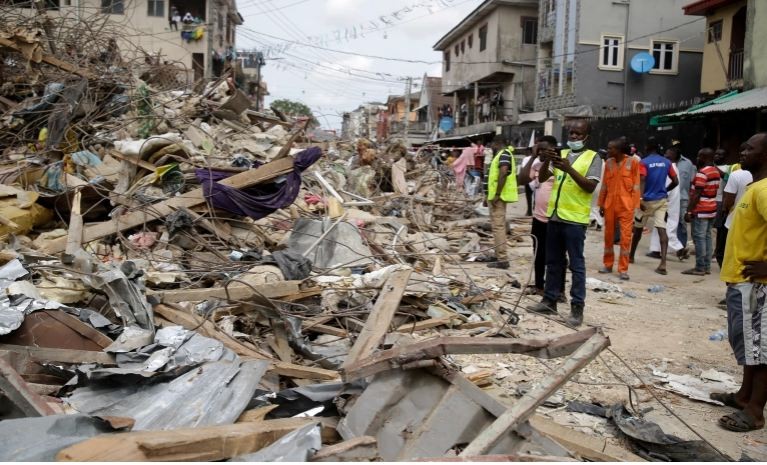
[[174, 19], [576, 172], [501, 190]]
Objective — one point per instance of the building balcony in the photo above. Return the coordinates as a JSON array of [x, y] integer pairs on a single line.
[[735, 69], [416, 127]]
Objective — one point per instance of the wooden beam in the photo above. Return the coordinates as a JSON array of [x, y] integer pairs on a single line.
[[500, 458], [380, 317], [52, 60], [42, 354], [244, 349], [209, 444], [527, 405], [433, 348], [134, 160], [237, 291], [162, 209], [83, 329], [18, 392], [425, 324], [588, 447], [360, 449]]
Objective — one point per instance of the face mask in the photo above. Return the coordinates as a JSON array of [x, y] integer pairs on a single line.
[[575, 145]]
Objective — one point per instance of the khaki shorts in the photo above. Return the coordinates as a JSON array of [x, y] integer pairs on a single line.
[[656, 209]]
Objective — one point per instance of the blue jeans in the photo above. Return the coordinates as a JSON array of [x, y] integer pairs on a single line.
[[563, 241], [681, 230], [704, 249]]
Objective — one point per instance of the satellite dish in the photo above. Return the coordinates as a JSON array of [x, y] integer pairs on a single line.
[[642, 62]]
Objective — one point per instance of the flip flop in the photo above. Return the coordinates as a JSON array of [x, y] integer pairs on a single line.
[[694, 272], [727, 398], [739, 422], [660, 271]]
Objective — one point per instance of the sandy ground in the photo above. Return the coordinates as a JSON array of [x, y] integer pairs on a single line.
[[668, 330]]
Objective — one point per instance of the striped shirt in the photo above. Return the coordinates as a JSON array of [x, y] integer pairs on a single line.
[[708, 180]]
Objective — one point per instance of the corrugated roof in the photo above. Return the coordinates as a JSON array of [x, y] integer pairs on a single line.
[[755, 98], [732, 101]]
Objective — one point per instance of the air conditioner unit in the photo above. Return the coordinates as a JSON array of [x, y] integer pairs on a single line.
[[641, 107]]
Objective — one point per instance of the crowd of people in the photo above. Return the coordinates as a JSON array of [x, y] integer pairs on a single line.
[[569, 186]]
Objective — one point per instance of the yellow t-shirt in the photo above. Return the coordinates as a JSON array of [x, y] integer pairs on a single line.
[[747, 238]]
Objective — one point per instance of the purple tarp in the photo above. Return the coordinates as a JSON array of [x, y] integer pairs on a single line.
[[258, 201]]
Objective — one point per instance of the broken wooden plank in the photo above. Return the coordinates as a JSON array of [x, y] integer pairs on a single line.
[[380, 317], [500, 458], [52, 60], [456, 345], [162, 209], [207, 225], [425, 324], [75, 231], [236, 291], [18, 392], [190, 444], [588, 447], [244, 349], [256, 414], [361, 449], [529, 402], [42, 354], [134, 160]]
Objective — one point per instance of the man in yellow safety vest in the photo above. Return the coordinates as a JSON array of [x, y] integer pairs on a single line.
[[576, 171], [501, 190]]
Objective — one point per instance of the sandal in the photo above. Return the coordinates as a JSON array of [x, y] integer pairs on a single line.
[[694, 271], [727, 398], [740, 422], [661, 271]]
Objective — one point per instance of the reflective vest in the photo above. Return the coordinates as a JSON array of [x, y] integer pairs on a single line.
[[569, 201], [509, 192]]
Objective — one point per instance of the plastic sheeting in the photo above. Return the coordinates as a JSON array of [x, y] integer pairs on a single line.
[[214, 393]]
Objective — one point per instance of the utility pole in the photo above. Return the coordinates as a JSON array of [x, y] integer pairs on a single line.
[[259, 63], [408, 87], [210, 27]]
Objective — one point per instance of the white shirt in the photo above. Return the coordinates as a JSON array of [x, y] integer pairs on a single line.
[[736, 184]]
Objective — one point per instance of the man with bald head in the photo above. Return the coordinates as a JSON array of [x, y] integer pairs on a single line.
[[745, 272], [701, 211], [577, 171]]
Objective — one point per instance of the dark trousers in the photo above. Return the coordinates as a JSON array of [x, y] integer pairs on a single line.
[[539, 232], [721, 242], [529, 198], [563, 241]]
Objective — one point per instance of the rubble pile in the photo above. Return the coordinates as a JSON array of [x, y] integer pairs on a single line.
[[184, 278]]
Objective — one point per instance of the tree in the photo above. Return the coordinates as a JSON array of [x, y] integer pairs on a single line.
[[294, 110]]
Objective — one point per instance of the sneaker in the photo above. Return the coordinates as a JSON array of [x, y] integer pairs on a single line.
[[545, 306], [501, 265], [624, 276], [605, 270]]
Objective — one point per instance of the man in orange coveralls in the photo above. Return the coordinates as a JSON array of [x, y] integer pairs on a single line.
[[618, 199]]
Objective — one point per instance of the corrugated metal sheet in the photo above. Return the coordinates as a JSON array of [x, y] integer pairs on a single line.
[[755, 98]]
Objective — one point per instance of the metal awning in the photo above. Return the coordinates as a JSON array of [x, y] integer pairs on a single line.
[[420, 108], [731, 101]]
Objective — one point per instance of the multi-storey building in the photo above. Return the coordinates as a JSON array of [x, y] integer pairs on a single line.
[[201, 40], [585, 48]]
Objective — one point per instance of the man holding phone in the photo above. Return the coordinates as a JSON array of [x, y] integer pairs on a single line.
[[577, 171]]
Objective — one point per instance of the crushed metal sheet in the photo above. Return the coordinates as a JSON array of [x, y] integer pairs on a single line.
[[297, 446]]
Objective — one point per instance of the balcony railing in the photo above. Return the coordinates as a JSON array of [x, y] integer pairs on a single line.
[[396, 127], [735, 70]]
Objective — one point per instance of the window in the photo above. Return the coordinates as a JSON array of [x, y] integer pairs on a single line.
[[611, 53], [463, 46], [447, 60], [482, 38], [155, 8], [715, 31], [471, 40], [665, 54], [456, 50], [529, 30], [112, 7]]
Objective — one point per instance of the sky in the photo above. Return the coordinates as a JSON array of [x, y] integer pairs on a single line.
[[331, 82]]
